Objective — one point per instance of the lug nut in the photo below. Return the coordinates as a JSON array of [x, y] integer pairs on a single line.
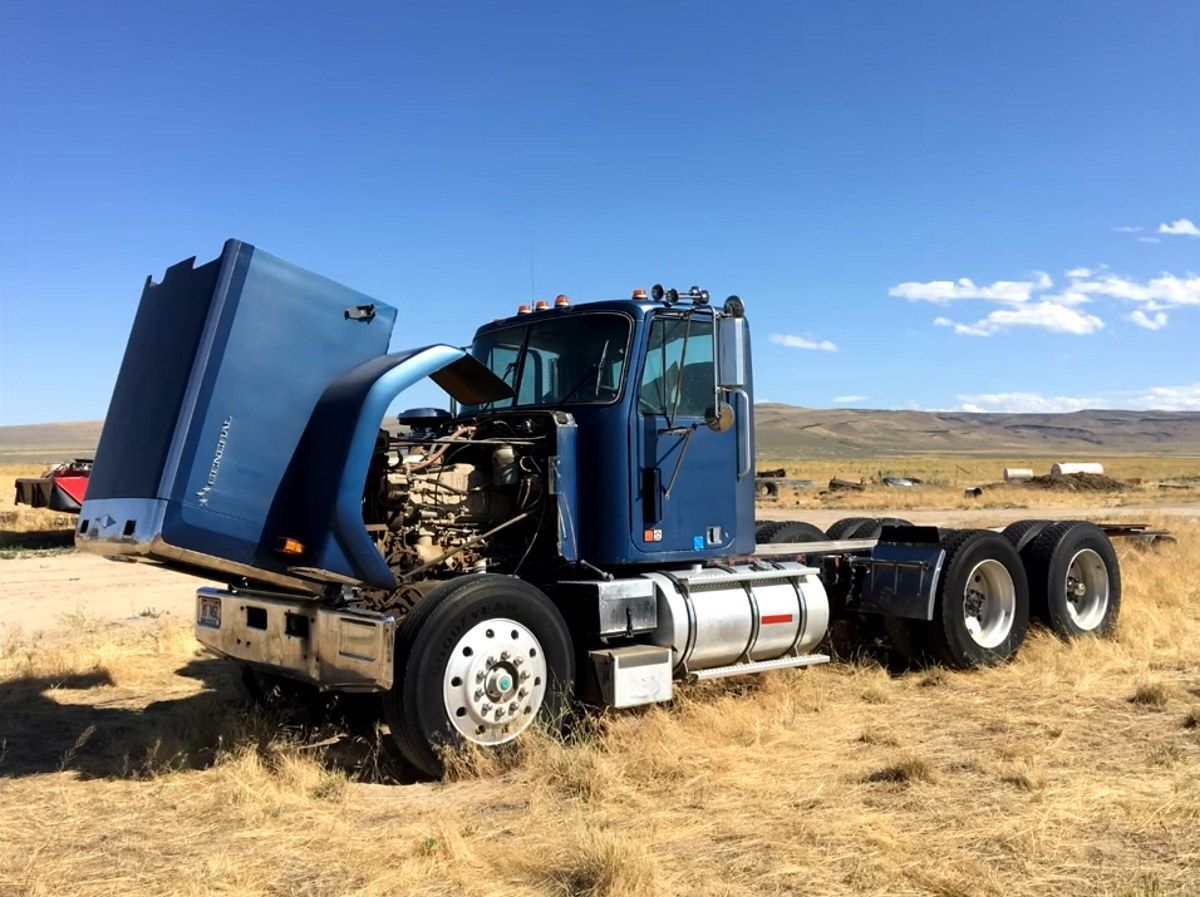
[[522, 693], [486, 708], [491, 661], [478, 693], [524, 675], [499, 712], [512, 708], [517, 661], [479, 676], [504, 655]]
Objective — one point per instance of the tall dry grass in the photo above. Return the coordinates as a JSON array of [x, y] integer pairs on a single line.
[[128, 767]]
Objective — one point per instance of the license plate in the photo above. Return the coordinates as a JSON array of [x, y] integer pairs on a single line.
[[210, 612]]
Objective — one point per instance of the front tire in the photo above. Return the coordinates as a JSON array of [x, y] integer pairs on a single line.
[[478, 660]]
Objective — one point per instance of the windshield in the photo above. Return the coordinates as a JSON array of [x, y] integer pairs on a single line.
[[557, 360]]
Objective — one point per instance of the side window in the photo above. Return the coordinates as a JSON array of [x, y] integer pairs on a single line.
[[677, 380], [502, 359]]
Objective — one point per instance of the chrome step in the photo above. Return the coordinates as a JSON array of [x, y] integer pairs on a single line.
[[760, 666]]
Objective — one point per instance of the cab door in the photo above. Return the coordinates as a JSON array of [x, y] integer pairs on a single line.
[[688, 497]]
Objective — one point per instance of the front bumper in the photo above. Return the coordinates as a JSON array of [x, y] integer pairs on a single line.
[[337, 650]]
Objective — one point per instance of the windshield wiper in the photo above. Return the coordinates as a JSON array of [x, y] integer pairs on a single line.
[[596, 367]]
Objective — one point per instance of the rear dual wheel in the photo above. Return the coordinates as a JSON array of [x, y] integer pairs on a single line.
[[479, 660], [1074, 579], [981, 609]]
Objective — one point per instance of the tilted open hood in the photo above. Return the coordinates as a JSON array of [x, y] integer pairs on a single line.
[[246, 409]]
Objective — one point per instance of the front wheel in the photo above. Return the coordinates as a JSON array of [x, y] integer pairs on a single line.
[[479, 659]]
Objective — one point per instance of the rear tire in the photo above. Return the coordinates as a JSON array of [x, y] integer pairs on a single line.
[[981, 612], [873, 526], [843, 528], [791, 531], [1023, 532], [1074, 579], [908, 639], [479, 659]]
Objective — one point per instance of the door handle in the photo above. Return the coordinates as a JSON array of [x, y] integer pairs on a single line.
[[743, 424]]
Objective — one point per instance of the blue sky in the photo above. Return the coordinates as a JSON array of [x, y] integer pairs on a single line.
[[862, 174]]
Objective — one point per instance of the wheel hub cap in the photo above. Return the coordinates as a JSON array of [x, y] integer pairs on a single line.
[[1087, 589], [495, 681], [989, 603]]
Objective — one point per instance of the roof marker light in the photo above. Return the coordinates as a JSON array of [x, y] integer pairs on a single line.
[[561, 301], [639, 294], [523, 309], [541, 305]]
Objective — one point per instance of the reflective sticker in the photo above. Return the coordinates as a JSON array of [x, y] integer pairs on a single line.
[[698, 543], [767, 619], [652, 535]]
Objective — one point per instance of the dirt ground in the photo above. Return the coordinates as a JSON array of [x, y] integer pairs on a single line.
[[131, 764]]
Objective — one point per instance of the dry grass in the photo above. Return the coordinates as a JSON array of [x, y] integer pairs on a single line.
[[128, 767], [22, 527], [945, 478]]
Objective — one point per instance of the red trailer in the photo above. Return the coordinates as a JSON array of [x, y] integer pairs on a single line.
[[61, 488]]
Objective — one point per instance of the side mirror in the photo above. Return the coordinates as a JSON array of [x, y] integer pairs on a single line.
[[719, 418], [731, 352]]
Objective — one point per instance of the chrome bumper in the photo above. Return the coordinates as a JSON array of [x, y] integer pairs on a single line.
[[342, 650]]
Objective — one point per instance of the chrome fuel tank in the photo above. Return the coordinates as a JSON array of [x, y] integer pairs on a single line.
[[716, 616]]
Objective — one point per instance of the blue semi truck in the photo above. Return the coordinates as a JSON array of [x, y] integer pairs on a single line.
[[578, 525]]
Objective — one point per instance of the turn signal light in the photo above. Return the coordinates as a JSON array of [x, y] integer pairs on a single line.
[[541, 305], [561, 301], [522, 309], [639, 294], [290, 546]]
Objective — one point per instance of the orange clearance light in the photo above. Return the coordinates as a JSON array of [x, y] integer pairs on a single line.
[[541, 305], [522, 309], [561, 301], [639, 294], [291, 546]]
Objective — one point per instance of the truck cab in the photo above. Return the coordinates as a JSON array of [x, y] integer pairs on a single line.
[[665, 436]]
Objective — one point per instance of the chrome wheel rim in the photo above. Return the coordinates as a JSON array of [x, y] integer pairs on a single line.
[[1087, 589], [495, 681], [989, 603]]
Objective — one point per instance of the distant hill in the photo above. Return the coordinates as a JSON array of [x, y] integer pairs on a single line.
[[42, 443], [788, 431]]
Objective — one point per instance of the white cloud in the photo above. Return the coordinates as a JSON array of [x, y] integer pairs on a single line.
[[943, 291], [1154, 321], [1030, 303], [802, 342], [1049, 316], [1166, 290], [849, 400], [1126, 230], [1159, 398], [1182, 227]]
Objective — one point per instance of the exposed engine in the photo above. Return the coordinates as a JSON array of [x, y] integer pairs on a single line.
[[455, 497]]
